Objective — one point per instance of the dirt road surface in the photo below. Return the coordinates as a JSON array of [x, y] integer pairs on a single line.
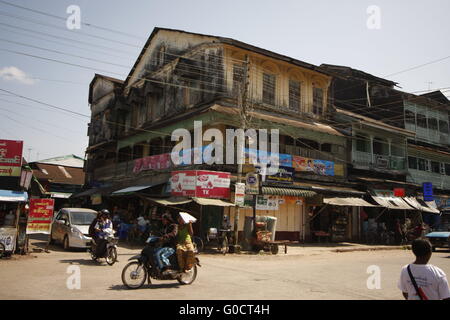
[[320, 275]]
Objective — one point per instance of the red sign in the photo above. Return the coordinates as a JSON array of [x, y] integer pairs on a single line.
[[10, 157], [40, 216], [399, 192], [200, 183], [158, 162], [183, 183]]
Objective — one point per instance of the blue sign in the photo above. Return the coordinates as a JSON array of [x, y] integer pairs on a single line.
[[428, 191]]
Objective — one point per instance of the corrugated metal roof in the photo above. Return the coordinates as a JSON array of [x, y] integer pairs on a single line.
[[288, 192], [54, 173], [352, 202]]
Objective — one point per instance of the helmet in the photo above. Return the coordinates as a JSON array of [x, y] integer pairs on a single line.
[[103, 212]]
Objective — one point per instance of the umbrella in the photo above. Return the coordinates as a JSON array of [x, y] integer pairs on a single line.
[[187, 218]]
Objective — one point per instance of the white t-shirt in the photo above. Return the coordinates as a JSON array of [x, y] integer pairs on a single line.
[[431, 279]]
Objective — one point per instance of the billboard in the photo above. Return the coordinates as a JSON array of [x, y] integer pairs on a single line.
[[201, 183], [40, 216], [157, 162], [10, 158], [320, 167]]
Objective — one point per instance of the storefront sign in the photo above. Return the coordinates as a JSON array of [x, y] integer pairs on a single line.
[[8, 238], [399, 192], [200, 183], [252, 183], [320, 167], [284, 175], [10, 158], [239, 194], [96, 199], [40, 216], [25, 179], [213, 184], [428, 191], [158, 162], [267, 202]]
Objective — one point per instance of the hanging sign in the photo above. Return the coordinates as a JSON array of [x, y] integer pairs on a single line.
[[239, 194], [10, 158], [428, 191]]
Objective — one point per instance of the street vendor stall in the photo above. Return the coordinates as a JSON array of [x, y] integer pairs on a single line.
[[12, 211]]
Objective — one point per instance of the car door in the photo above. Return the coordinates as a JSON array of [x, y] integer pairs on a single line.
[[56, 230], [65, 227]]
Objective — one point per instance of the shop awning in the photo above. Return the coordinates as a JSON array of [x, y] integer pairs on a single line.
[[13, 196], [394, 203], [352, 202], [130, 190], [61, 195], [418, 206], [288, 192], [170, 201], [213, 202], [85, 193]]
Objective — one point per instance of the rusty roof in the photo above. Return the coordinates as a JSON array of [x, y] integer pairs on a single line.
[[58, 174]]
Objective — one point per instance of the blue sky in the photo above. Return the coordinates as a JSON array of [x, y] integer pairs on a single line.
[[411, 33]]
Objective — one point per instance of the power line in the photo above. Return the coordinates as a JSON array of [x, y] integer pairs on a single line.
[[65, 19]]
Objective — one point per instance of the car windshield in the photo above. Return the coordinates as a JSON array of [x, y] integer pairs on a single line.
[[82, 218]]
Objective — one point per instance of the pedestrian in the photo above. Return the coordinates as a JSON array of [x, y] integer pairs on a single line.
[[185, 247], [421, 280]]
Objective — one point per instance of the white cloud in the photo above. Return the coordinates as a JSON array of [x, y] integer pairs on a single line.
[[15, 74]]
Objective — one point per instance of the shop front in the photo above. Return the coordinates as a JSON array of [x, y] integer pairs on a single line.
[[12, 220]]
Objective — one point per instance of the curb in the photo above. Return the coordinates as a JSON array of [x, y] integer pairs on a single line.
[[372, 249]]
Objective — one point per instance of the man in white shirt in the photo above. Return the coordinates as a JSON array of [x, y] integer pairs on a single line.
[[430, 280]]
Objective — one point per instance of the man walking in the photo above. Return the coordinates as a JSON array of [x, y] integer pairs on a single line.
[[420, 280]]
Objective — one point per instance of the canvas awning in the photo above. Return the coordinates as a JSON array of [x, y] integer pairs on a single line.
[[213, 202], [287, 192], [170, 201], [131, 189], [60, 195], [394, 203], [13, 196], [352, 202], [417, 205]]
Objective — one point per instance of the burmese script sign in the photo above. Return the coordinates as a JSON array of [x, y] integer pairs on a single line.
[[10, 158], [40, 216]]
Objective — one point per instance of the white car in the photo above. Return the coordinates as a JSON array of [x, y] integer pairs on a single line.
[[71, 227]]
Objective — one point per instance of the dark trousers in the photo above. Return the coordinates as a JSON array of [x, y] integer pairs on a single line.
[[101, 247]]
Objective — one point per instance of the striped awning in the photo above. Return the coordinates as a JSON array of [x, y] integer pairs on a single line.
[[351, 202], [394, 203], [292, 192], [421, 207]]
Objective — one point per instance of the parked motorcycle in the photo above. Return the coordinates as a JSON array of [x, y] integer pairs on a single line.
[[110, 253], [144, 267]]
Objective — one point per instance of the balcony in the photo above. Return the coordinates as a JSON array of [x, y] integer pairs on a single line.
[[376, 161], [438, 180]]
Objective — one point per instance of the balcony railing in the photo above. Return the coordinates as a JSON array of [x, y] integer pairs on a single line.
[[438, 180], [365, 159]]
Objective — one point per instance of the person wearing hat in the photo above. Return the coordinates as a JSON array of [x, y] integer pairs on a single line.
[[168, 240], [185, 247]]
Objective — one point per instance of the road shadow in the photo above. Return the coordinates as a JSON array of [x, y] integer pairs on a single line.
[[121, 287], [83, 262]]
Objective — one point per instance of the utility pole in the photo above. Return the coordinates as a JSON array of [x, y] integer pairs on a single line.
[[242, 102]]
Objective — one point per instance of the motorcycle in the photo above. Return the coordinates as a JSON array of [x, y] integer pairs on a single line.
[[110, 253], [144, 267]]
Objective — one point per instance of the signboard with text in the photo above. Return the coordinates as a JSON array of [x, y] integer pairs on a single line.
[[40, 216], [201, 183], [10, 158], [428, 191], [157, 162]]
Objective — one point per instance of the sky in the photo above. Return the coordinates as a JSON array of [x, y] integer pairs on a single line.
[[380, 37]]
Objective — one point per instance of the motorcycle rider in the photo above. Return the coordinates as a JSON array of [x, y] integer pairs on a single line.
[[102, 228], [168, 240]]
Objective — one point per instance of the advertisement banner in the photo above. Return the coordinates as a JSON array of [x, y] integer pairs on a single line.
[[183, 183], [157, 162], [239, 194], [8, 238], [320, 167], [213, 184], [200, 183], [40, 216], [10, 158], [267, 202], [427, 191]]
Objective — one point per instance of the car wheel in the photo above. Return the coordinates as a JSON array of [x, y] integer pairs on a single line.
[[66, 244]]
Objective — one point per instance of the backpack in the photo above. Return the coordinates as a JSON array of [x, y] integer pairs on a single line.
[[92, 227]]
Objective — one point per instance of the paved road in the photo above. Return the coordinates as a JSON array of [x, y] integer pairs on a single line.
[[326, 275]]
